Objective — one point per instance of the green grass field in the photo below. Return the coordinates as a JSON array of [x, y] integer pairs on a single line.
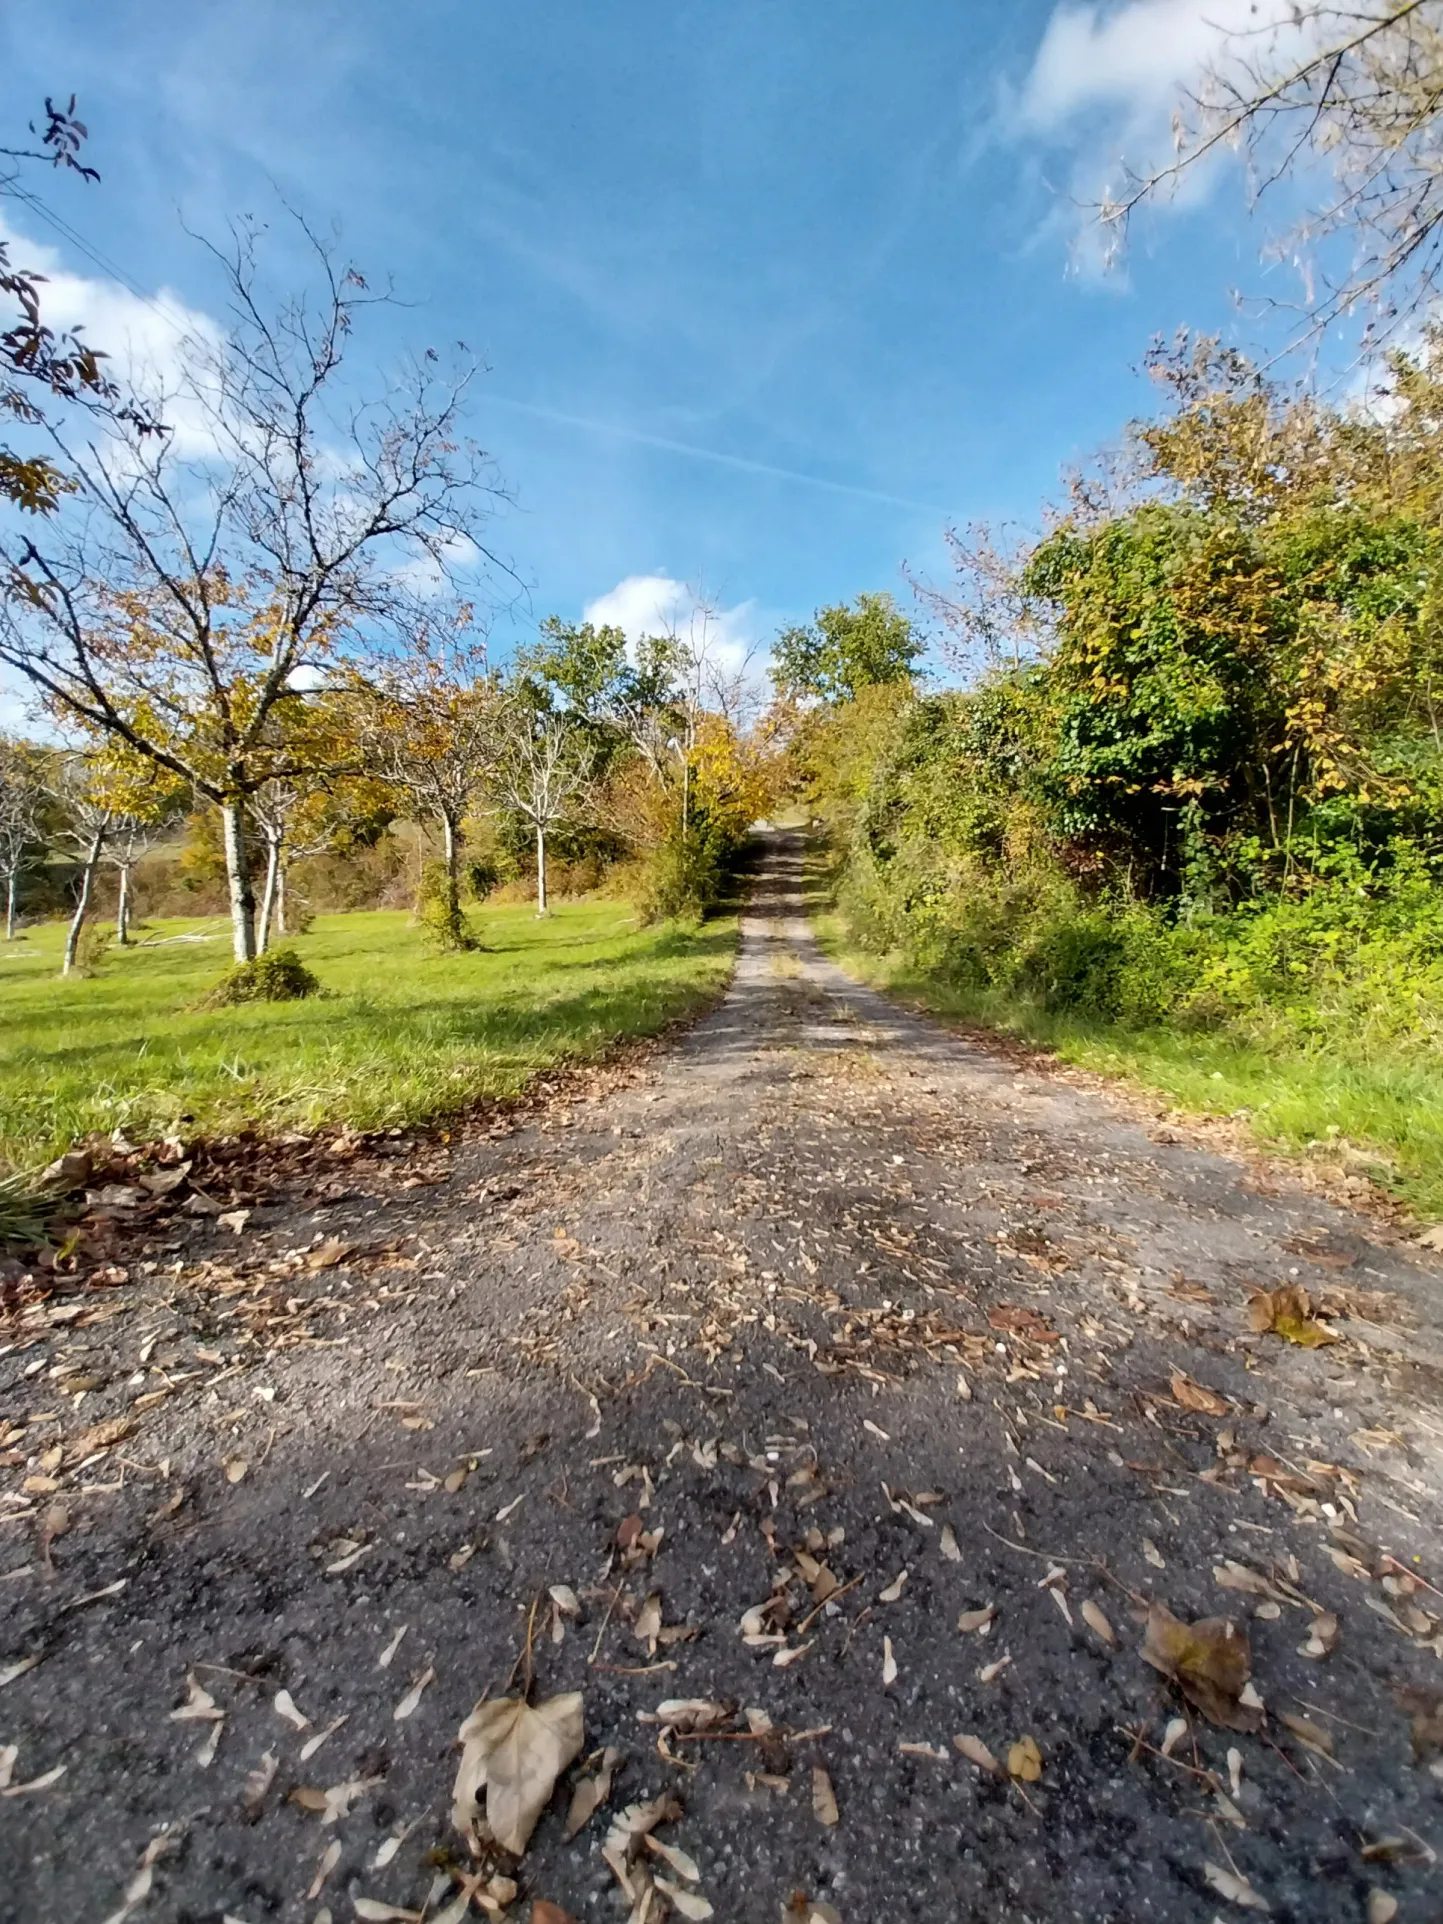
[[1380, 1116], [399, 1036]]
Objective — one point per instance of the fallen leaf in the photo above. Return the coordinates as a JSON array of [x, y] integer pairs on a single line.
[[14, 1670], [407, 1706], [684, 1866], [565, 1599], [1382, 1907], [824, 1800], [1153, 1554], [1176, 1730], [1288, 1312], [543, 1912], [784, 1659], [685, 1713], [947, 1544], [889, 1663], [330, 1857], [990, 1672], [976, 1752], [36, 1783], [383, 1662], [1197, 1396], [204, 1754], [1322, 1637], [235, 1468], [1312, 1736], [515, 1752], [284, 1705], [199, 1705], [977, 1622], [647, 1627], [591, 1793], [691, 1904], [234, 1220], [894, 1589], [1210, 1661], [1237, 1890], [881, 1434], [258, 1782], [327, 1254], [1024, 1760], [1095, 1618], [371, 1911]]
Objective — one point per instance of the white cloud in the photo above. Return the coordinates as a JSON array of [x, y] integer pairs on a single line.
[[726, 639], [1135, 56], [148, 342]]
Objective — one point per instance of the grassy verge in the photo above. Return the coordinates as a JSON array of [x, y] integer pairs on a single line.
[[1379, 1116], [399, 1036]]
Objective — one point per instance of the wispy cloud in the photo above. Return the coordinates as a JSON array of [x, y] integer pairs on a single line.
[[744, 464]]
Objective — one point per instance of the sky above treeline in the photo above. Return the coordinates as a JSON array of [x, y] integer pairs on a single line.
[[768, 295]]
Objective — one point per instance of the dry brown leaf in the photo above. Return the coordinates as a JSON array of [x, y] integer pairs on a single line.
[[685, 1713], [408, 1704], [258, 1782], [43, 1782], [235, 1468], [1210, 1661], [1382, 1907], [591, 1793], [824, 1800], [543, 1912], [1288, 1312], [1024, 1760], [1197, 1396], [372, 1911], [330, 1857], [1237, 1890], [515, 1752], [327, 1254], [1322, 1637], [976, 1752], [990, 1672], [647, 1627], [284, 1705], [894, 1589], [1153, 1554], [1312, 1736], [1095, 1617], [947, 1544], [691, 1904], [678, 1860], [889, 1663], [199, 1705], [977, 1622]]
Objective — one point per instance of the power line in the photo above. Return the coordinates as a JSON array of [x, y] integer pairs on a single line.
[[93, 254]]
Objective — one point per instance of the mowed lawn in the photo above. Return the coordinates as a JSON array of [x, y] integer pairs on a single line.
[[400, 1034]]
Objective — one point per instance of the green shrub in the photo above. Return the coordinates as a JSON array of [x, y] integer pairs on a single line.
[[277, 976], [439, 913]]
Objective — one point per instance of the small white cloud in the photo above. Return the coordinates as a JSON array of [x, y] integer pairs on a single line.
[[1134, 56], [150, 344]]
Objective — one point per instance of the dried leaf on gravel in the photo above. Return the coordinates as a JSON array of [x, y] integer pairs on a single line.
[[685, 1713], [592, 1792], [1232, 1575], [1210, 1661], [1153, 1554], [515, 1752], [543, 1912], [1024, 1760], [1237, 1890], [409, 1703], [327, 1254], [1095, 1617], [1288, 1312], [1382, 1907], [976, 1752], [383, 1662], [629, 1826], [565, 1599], [371, 1911], [199, 1705], [43, 1782], [824, 1799], [947, 1544], [677, 1860], [990, 1672], [1197, 1396], [977, 1622], [284, 1705], [235, 1468], [1322, 1637], [204, 1754], [894, 1589], [330, 1857], [98, 1437], [691, 1904], [1312, 1736], [258, 1782], [647, 1627], [889, 1663]]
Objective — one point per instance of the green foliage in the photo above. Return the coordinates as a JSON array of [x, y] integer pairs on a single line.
[[439, 913], [25, 1210], [277, 976], [846, 650], [483, 877]]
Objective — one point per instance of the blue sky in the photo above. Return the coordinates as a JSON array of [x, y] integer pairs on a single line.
[[769, 292]]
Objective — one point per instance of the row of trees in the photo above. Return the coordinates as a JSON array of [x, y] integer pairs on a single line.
[[251, 588]]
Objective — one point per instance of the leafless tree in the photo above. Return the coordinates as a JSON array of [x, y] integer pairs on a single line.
[[129, 839], [542, 772], [193, 583], [1346, 99]]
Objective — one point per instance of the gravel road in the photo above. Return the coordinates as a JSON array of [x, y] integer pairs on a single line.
[[859, 1386]]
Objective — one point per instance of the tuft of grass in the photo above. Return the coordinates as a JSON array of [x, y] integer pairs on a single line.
[[401, 1035], [25, 1209], [1379, 1115]]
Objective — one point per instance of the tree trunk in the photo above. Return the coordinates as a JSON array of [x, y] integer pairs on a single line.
[[268, 895], [238, 878], [10, 884], [87, 879], [540, 869], [122, 908], [453, 877], [281, 899]]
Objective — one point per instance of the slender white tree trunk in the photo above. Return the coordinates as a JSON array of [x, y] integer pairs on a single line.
[[122, 908], [268, 895], [540, 869], [87, 880], [238, 878], [10, 884]]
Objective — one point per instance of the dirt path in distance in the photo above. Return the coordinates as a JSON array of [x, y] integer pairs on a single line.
[[832, 1301]]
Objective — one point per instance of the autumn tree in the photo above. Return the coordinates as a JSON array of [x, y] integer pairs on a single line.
[[189, 590], [427, 725], [22, 796], [845, 649]]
